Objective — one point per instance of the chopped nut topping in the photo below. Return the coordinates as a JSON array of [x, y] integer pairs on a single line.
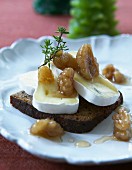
[[122, 125]]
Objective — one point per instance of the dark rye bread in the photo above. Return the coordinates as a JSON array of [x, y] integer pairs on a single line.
[[87, 117]]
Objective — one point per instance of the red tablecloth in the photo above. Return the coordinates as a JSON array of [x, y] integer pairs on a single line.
[[18, 20]]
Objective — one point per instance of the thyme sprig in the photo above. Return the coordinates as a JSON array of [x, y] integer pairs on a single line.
[[50, 50]]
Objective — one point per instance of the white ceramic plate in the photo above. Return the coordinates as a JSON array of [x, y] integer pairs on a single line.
[[25, 55]]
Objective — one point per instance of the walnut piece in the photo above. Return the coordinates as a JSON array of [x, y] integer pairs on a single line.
[[64, 60], [66, 83], [46, 128], [87, 63], [45, 75], [113, 74], [122, 125], [108, 71], [118, 77]]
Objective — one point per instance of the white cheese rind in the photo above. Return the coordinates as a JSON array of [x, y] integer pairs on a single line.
[[91, 97], [60, 107], [29, 82]]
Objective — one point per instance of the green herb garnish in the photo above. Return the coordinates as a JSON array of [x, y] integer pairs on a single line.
[[49, 50]]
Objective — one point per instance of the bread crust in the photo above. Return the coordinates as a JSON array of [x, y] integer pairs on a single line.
[[87, 117]]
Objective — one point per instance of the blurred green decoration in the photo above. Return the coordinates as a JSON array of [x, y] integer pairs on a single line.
[[92, 17], [52, 6]]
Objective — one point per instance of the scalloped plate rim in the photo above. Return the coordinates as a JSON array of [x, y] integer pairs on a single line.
[[21, 142]]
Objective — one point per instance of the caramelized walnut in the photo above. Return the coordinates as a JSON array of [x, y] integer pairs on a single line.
[[45, 75], [46, 128], [87, 63], [118, 77], [108, 71], [122, 125], [64, 60], [113, 74], [66, 83]]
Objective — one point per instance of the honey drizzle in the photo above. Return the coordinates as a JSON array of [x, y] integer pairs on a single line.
[[104, 139], [82, 144]]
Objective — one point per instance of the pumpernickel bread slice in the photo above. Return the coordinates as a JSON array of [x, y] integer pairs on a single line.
[[87, 117]]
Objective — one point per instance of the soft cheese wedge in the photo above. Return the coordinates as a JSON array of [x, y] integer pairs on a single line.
[[45, 98], [28, 81], [100, 91]]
